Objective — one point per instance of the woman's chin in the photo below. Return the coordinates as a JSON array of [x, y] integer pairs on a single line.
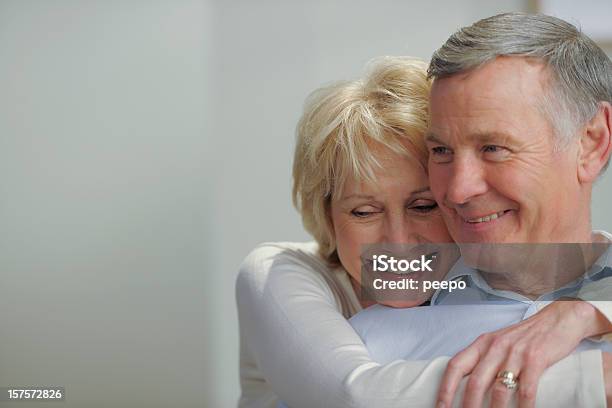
[[403, 304]]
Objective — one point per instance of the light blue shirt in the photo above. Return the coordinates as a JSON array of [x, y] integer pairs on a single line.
[[478, 291]]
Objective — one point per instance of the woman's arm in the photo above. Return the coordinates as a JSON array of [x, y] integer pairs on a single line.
[[599, 295], [311, 356]]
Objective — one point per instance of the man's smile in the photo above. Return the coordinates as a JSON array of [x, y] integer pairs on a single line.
[[484, 218]]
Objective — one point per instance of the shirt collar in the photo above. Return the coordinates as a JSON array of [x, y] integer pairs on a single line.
[[460, 271], [605, 260]]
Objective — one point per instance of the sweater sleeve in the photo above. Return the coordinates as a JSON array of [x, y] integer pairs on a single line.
[[311, 357], [599, 294]]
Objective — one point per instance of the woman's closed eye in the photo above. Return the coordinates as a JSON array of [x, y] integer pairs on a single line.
[[423, 206], [365, 211]]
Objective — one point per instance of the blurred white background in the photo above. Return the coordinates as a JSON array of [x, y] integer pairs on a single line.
[[145, 148]]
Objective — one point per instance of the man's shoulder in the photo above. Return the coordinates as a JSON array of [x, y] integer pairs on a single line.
[[602, 234]]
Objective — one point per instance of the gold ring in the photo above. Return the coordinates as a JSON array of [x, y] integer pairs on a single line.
[[508, 378]]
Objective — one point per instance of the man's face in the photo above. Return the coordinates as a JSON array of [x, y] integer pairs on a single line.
[[493, 165]]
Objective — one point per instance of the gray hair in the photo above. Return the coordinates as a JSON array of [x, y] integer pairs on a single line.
[[581, 72]]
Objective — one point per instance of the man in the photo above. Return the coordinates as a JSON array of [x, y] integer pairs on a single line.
[[521, 123]]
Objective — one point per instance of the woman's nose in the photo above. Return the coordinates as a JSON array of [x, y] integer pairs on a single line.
[[400, 230]]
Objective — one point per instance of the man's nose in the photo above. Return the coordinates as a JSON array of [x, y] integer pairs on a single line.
[[467, 180]]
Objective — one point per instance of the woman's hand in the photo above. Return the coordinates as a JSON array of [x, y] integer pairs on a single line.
[[526, 349]]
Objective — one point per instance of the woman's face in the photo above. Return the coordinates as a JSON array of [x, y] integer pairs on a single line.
[[398, 208]]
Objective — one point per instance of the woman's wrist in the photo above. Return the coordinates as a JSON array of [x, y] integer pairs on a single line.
[[594, 322]]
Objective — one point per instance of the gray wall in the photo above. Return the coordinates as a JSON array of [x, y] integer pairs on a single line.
[[145, 148], [104, 200]]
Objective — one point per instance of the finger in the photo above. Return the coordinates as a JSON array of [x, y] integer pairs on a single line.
[[500, 393], [485, 372], [530, 378], [458, 367]]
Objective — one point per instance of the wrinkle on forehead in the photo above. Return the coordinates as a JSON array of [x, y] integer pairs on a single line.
[[490, 96], [529, 76]]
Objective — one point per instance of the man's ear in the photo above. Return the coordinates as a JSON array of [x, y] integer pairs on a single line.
[[595, 144]]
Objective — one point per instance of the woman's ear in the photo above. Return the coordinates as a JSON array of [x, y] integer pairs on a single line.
[[595, 144]]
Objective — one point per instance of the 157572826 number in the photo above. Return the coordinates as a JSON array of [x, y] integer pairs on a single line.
[[32, 393]]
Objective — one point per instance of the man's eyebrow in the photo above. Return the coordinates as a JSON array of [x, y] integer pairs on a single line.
[[431, 137], [481, 137], [488, 137]]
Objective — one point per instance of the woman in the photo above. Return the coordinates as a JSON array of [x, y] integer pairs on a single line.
[[359, 178]]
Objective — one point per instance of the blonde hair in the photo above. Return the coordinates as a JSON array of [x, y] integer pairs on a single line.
[[341, 125]]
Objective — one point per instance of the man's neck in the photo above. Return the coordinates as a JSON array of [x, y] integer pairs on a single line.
[[536, 269]]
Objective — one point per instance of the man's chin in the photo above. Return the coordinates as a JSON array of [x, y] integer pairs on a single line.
[[492, 236], [483, 239]]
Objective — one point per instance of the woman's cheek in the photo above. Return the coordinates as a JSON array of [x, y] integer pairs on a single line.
[[350, 238], [436, 230]]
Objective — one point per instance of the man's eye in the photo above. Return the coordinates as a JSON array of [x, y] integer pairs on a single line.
[[491, 148], [495, 152], [441, 154], [440, 150]]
